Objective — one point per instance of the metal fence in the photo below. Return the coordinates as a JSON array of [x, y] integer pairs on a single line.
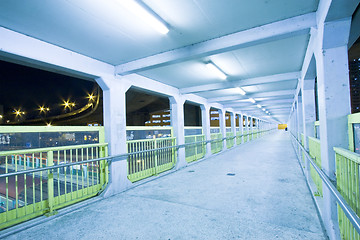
[[347, 179], [146, 164], [346, 193], [229, 139], [196, 151], [315, 153], [28, 190], [216, 146]]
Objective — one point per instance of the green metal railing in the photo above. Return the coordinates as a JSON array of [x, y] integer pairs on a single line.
[[196, 151], [302, 144], [229, 139], [349, 221], [239, 138], [315, 153], [216, 146], [28, 195], [245, 134], [347, 179], [146, 164]]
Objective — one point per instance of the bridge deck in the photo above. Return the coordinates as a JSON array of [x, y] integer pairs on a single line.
[[267, 198]]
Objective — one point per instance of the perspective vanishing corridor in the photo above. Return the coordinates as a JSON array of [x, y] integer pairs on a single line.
[[254, 191]]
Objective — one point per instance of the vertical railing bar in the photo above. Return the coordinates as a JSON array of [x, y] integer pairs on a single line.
[[7, 187], [71, 174], [25, 186], [33, 182], [65, 176], [87, 172], [16, 187], [58, 176]]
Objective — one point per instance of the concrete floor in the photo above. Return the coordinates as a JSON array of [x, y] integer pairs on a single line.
[[267, 198]]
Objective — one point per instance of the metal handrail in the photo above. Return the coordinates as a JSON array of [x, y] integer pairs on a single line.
[[120, 157], [349, 212], [35, 150]]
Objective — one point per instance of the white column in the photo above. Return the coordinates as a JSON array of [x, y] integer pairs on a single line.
[[241, 127], [205, 119], [332, 69], [222, 125], [233, 125], [251, 126], [247, 128], [114, 91], [177, 122], [308, 106]]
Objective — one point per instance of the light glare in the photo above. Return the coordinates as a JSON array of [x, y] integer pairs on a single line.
[[241, 91], [216, 71], [146, 16]]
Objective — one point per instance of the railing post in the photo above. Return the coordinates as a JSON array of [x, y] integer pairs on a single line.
[[103, 166], [156, 156], [50, 183]]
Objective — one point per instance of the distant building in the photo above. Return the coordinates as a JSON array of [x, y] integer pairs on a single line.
[[354, 74], [160, 118]]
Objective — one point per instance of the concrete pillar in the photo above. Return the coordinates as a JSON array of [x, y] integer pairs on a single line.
[[177, 122], [247, 128], [114, 91], [233, 125], [222, 125], [241, 127], [251, 126], [331, 54], [205, 119], [308, 107], [297, 118]]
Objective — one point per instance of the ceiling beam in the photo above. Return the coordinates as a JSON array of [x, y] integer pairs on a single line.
[[253, 95], [265, 103], [232, 83], [270, 32]]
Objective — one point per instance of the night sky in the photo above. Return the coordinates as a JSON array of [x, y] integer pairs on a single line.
[[28, 88]]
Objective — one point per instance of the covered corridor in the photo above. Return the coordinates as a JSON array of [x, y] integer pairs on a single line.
[[253, 191]]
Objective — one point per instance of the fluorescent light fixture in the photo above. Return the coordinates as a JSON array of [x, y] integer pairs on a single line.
[[264, 109], [146, 15], [216, 70], [258, 105], [252, 100], [241, 91]]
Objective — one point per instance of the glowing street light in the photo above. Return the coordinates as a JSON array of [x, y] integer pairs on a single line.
[[91, 97], [1, 116], [18, 112]]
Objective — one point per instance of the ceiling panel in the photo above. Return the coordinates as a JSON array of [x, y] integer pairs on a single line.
[[106, 31]]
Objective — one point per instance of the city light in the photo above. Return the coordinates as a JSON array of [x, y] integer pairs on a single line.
[[73, 104], [48, 124], [91, 97], [1, 116], [66, 104], [18, 112], [42, 109]]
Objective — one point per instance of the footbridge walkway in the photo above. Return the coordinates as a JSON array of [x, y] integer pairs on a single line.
[[253, 191]]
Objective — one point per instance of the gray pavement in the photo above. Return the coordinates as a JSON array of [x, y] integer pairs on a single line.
[[267, 198]]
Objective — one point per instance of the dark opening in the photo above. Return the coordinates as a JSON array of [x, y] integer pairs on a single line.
[[192, 115], [146, 109], [31, 96]]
